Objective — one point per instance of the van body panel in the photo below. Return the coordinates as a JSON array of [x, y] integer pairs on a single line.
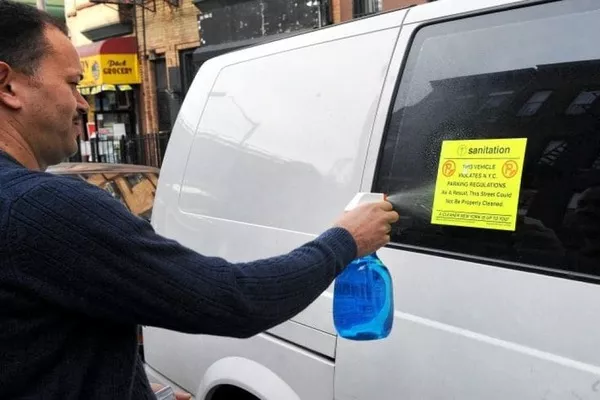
[[206, 235], [313, 328], [445, 9], [246, 145], [166, 217], [242, 181], [307, 337], [470, 329], [194, 362], [250, 161], [231, 197], [497, 339], [249, 375]]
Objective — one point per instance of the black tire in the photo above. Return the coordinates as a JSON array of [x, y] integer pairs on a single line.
[[230, 392]]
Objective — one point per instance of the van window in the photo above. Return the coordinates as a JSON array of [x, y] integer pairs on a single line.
[[530, 72]]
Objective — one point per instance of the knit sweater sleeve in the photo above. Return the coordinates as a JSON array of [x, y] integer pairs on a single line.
[[80, 249]]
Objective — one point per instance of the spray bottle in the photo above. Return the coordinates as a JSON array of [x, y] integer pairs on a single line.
[[363, 297]]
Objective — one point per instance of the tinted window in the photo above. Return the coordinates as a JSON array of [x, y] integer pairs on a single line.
[[525, 73]]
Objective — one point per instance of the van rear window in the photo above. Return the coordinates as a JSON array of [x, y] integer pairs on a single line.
[[528, 73]]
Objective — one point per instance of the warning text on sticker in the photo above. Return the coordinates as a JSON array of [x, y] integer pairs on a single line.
[[478, 183]]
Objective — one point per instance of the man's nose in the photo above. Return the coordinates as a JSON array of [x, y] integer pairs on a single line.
[[82, 105]]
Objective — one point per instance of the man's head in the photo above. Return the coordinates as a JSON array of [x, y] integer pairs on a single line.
[[40, 106]]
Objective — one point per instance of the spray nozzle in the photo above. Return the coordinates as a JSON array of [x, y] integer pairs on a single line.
[[365, 197]]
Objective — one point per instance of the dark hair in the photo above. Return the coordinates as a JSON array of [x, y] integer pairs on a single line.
[[22, 42]]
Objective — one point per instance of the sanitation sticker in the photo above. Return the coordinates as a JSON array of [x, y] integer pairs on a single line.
[[478, 183]]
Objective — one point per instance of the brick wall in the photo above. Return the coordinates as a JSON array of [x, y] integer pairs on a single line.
[[342, 9], [395, 4], [168, 30]]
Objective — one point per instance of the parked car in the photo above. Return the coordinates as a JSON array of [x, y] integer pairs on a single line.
[[273, 141], [133, 185]]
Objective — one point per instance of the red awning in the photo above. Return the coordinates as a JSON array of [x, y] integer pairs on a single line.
[[109, 62], [120, 45]]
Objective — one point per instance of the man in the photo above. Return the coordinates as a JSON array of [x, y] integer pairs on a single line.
[[78, 272]]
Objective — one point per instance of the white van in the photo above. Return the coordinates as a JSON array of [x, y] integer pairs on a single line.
[[273, 141]]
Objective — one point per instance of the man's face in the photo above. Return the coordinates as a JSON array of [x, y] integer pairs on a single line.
[[52, 106]]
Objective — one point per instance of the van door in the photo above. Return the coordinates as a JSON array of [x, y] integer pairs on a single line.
[[499, 298]]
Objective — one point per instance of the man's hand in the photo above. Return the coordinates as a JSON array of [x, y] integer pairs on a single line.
[[370, 225], [178, 395]]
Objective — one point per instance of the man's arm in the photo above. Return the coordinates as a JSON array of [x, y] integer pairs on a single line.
[[77, 247]]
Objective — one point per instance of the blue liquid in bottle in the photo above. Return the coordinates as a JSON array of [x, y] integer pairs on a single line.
[[363, 300]]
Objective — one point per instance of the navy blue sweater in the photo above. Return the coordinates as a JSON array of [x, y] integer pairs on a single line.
[[79, 273]]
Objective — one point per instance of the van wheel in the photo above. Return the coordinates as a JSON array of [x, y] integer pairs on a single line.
[[230, 392]]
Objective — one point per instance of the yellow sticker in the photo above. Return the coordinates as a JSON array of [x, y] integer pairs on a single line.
[[478, 183]]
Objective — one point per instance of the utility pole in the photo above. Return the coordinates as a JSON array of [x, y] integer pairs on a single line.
[[41, 5]]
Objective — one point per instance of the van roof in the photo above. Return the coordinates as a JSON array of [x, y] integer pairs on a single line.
[[383, 20], [445, 8]]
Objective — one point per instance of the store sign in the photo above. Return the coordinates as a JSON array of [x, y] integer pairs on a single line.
[[112, 69]]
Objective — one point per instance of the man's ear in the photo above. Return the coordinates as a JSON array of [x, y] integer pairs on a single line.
[[8, 97]]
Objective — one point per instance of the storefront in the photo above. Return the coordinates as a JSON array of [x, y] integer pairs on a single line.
[[111, 85]]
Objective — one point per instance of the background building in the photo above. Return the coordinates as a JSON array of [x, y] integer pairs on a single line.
[[177, 36], [56, 8], [167, 31], [140, 57], [104, 35]]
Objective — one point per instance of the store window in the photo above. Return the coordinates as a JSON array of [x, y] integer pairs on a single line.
[[474, 79], [112, 117], [363, 8], [162, 95], [188, 68]]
